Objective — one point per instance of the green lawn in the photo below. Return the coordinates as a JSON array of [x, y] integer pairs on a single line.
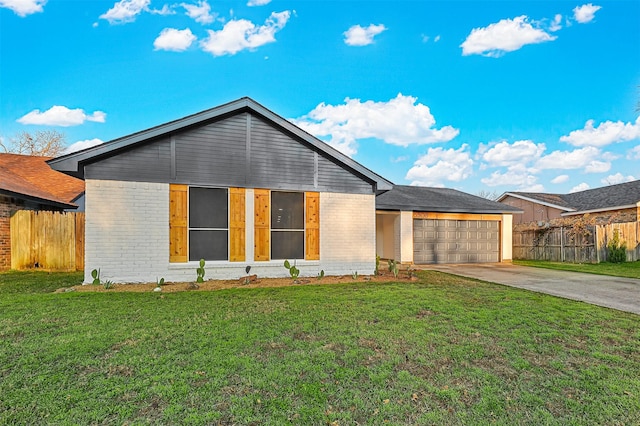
[[626, 269], [444, 350]]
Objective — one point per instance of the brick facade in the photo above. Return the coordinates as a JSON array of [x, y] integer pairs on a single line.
[[127, 236], [7, 207]]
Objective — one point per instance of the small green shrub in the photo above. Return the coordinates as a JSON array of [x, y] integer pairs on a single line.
[[200, 272], [616, 251], [95, 274], [394, 267], [320, 275], [108, 284], [377, 271], [354, 275], [293, 271]]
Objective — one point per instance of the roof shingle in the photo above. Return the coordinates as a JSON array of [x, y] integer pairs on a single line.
[[445, 200], [604, 198], [32, 177]]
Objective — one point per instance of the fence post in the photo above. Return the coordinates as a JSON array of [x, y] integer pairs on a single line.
[[596, 243], [562, 244]]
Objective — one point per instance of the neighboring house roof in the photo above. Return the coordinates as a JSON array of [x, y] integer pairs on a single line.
[[445, 200], [73, 164], [612, 197], [31, 178]]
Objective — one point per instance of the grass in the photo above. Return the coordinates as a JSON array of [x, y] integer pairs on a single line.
[[443, 350], [625, 269]]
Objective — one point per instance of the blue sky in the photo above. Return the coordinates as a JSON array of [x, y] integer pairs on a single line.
[[490, 96]]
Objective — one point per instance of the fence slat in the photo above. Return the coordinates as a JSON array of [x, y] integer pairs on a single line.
[[49, 240]]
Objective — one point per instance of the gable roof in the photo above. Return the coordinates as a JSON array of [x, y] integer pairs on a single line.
[[73, 164], [612, 197], [29, 177], [445, 200]]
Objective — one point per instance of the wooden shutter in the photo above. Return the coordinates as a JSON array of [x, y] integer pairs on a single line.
[[312, 226], [236, 224], [261, 224], [177, 223]]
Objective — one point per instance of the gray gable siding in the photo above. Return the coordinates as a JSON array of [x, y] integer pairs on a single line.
[[242, 150], [146, 163], [277, 160], [213, 154]]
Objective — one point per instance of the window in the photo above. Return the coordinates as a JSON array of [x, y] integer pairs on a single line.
[[287, 225], [208, 224]]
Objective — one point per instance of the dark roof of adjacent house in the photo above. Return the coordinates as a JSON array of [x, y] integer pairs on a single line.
[[444, 200], [612, 197], [73, 164], [31, 178]]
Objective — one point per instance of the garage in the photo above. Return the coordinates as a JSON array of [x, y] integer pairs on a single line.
[[455, 241], [421, 225]]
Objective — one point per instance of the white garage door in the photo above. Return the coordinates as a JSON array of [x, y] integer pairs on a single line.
[[455, 241]]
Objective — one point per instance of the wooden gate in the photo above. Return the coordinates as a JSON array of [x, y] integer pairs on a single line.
[[48, 240]]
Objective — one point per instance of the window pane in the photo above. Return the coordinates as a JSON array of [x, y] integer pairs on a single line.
[[208, 245], [208, 208], [287, 245], [287, 210]]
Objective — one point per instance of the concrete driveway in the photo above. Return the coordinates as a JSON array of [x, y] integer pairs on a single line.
[[612, 292]]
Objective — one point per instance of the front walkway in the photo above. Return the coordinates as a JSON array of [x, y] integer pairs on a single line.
[[612, 292]]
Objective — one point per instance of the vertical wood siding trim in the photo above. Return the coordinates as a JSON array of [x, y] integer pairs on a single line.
[[178, 223], [247, 173], [173, 157], [312, 226], [262, 233], [237, 225]]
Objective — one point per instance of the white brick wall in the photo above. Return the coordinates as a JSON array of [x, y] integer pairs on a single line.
[[506, 245], [406, 237], [347, 233], [127, 236], [127, 233]]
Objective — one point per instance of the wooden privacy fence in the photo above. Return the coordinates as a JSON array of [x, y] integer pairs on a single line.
[[560, 244], [48, 240]]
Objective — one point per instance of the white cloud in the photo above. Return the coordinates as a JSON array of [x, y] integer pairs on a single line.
[[399, 159], [166, 10], [567, 160], [400, 121], [23, 8], [560, 179], [61, 116], [580, 187], [518, 176], [439, 165], [505, 36], [505, 154], [556, 24], [617, 178], [596, 166], [241, 34], [258, 2], [174, 40], [359, 36], [200, 13], [634, 153], [80, 145], [585, 13], [606, 133], [125, 11]]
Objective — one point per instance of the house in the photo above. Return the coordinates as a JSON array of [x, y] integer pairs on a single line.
[[614, 203], [423, 225], [28, 183], [238, 186]]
